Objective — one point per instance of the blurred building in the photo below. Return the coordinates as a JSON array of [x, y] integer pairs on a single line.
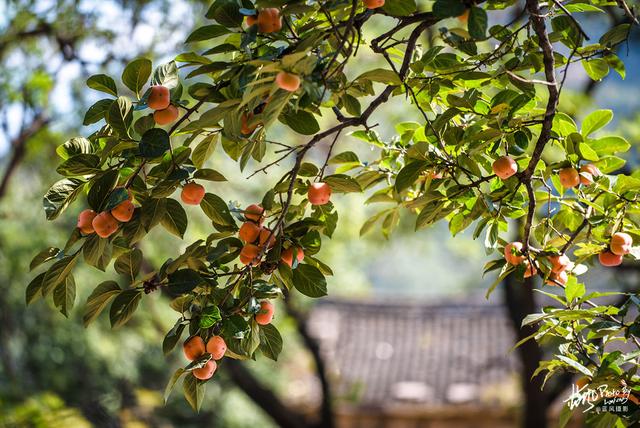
[[401, 365]]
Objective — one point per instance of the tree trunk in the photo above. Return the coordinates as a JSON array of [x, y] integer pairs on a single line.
[[520, 302], [263, 397]]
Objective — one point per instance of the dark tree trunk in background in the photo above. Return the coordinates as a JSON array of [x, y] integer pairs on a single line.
[[520, 302], [263, 396], [326, 407]]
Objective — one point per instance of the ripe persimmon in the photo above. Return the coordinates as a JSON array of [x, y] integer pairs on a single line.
[[265, 315], [287, 255], [319, 193], [504, 167], [621, 243], [607, 258], [558, 278], [288, 81], [569, 177], [249, 255], [166, 116], [159, 98], [193, 348], [269, 20], [192, 193], [251, 20], [104, 224], [373, 4], [264, 235], [588, 172], [124, 211], [216, 346], [529, 269], [245, 128], [204, 373], [254, 212], [249, 232], [513, 253], [559, 263], [84, 221]]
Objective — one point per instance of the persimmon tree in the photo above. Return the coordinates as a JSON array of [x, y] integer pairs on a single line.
[[492, 150]]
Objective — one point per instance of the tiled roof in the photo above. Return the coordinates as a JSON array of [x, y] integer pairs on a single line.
[[381, 354]]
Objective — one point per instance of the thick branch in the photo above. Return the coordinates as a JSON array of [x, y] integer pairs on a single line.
[[18, 145], [313, 347], [262, 396], [539, 27]]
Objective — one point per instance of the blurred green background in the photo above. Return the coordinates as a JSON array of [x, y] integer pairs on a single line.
[[53, 371]]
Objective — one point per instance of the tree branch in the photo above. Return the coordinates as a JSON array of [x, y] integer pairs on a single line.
[[326, 411], [18, 145], [263, 396]]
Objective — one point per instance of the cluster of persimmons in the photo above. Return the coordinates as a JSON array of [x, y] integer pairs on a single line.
[[257, 237], [160, 100], [194, 347], [106, 223], [620, 243]]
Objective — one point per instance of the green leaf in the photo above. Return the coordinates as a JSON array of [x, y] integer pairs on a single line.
[[136, 74], [58, 272], [152, 212], [103, 83], [616, 35], [351, 104], [575, 365], [301, 121], [596, 68], [341, 183], [120, 116], [309, 281], [594, 121], [97, 252], [226, 12], [448, 8], [98, 300], [573, 289], [166, 75], [123, 307], [128, 264], [409, 174], [101, 188], [60, 195], [173, 336], [609, 145], [43, 256], [587, 152], [209, 317], [183, 281], [217, 210], [204, 150], [478, 23], [97, 111], [65, 295], [154, 143], [74, 146], [81, 164], [34, 289], [175, 218], [270, 341], [381, 75], [399, 7], [207, 32], [193, 390], [208, 174], [172, 382]]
